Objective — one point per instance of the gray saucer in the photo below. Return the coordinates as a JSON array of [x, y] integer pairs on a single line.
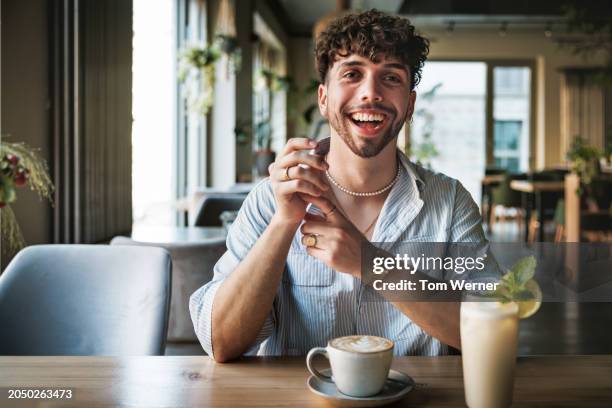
[[397, 386]]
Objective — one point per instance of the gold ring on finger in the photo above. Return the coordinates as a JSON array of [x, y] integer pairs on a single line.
[[309, 240], [287, 176]]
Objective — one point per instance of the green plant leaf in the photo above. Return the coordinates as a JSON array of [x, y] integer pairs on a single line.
[[522, 294], [7, 189], [523, 270], [512, 284], [502, 293], [509, 279]]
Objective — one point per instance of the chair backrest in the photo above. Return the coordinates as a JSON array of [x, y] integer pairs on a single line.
[[192, 267], [85, 300], [210, 208], [600, 191], [504, 195], [494, 171]]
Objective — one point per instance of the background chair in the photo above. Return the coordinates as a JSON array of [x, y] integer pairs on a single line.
[[504, 196], [593, 209], [487, 186], [85, 300], [211, 206], [192, 267]]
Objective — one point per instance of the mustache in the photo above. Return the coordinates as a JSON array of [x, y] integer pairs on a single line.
[[376, 106]]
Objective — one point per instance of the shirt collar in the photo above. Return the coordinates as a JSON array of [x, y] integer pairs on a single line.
[[412, 170], [402, 205]]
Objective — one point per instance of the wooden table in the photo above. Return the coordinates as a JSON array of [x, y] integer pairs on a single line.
[[493, 179], [536, 189], [537, 186], [559, 381]]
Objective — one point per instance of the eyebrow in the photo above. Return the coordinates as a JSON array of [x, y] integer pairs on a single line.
[[394, 65]]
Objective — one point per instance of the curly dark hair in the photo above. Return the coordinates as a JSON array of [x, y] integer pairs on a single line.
[[371, 34]]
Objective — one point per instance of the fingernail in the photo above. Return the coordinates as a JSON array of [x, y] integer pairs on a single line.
[[312, 143]]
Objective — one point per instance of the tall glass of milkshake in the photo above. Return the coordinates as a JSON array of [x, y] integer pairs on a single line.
[[489, 337]]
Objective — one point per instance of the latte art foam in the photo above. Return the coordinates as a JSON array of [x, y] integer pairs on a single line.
[[362, 344]]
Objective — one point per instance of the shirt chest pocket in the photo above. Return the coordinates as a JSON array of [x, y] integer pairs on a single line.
[[305, 270]]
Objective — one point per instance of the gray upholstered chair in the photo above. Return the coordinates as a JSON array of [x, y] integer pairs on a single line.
[[85, 300], [192, 267]]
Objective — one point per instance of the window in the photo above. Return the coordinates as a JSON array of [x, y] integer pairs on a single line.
[[269, 97], [448, 127], [511, 117], [506, 145], [190, 146], [153, 132], [459, 128], [511, 80]]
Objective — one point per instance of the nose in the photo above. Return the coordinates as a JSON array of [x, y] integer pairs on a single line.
[[370, 91]]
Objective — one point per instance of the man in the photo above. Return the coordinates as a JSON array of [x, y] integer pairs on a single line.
[[290, 279]]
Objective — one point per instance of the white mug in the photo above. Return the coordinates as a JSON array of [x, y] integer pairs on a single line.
[[359, 364]]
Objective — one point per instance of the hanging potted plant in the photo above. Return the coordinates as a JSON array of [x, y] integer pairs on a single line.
[[264, 156], [197, 70]]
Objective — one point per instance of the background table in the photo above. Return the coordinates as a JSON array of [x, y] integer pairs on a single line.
[[177, 235], [559, 381]]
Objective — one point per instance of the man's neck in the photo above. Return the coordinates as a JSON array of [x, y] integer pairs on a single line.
[[361, 174]]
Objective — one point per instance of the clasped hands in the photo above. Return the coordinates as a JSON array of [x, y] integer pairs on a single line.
[[298, 179]]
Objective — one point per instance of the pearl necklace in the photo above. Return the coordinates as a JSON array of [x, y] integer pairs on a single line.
[[366, 194]]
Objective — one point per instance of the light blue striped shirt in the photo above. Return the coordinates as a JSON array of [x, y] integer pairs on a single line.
[[314, 303]]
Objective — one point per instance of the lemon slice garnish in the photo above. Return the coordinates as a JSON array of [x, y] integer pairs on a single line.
[[529, 307]]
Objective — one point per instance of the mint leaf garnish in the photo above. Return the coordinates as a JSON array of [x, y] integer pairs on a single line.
[[512, 284], [524, 269]]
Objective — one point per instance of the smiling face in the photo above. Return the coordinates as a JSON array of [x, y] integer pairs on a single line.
[[367, 102]]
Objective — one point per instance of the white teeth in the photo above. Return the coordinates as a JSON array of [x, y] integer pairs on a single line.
[[367, 117]]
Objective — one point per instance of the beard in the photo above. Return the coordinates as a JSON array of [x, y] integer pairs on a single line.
[[362, 146]]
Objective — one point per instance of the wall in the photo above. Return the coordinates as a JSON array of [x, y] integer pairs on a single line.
[[25, 100]]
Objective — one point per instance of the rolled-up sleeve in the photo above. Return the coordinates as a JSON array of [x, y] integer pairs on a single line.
[[252, 220]]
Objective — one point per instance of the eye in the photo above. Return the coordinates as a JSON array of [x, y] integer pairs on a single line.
[[393, 78], [350, 75]]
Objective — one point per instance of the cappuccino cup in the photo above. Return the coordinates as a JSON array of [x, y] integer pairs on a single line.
[[359, 364]]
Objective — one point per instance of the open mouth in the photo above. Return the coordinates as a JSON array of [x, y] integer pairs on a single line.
[[368, 121]]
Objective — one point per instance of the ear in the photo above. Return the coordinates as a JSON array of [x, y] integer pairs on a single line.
[[411, 102], [322, 97]]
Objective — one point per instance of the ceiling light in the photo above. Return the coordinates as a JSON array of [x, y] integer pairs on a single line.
[[548, 30], [503, 29], [450, 27]]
